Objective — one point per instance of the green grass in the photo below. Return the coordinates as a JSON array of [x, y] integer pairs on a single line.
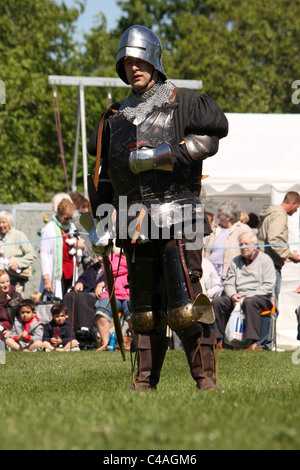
[[80, 400]]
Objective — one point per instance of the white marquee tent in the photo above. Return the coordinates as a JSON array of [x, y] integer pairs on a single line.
[[261, 157], [260, 153]]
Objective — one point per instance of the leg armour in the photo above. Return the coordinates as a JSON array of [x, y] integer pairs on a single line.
[[151, 351], [186, 304], [146, 295], [146, 290], [145, 282], [200, 353], [148, 322]]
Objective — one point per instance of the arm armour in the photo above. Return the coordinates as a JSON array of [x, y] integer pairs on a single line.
[[200, 147], [146, 159]]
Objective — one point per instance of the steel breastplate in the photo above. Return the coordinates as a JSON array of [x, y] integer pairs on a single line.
[[154, 189]]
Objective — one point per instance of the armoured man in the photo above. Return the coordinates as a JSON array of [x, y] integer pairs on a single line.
[[152, 146]]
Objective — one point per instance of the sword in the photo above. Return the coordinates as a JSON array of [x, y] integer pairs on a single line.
[[87, 221]]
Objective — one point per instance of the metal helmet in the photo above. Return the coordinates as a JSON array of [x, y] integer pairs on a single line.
[[139, 41]]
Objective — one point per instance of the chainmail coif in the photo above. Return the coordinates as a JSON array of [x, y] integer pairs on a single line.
[[137, 107]]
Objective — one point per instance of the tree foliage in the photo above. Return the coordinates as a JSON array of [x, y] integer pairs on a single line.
[[35, 41], [244, 51], [99, 59]]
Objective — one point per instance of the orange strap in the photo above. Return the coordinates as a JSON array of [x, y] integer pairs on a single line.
[[173, 96], [99, 144], [139, 221], [271, 311], [266, 312]]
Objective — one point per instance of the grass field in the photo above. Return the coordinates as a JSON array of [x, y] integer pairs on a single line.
[[81, 401]]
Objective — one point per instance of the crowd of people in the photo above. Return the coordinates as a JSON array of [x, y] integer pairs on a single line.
[[72, 279], [242, 263], [248, 252]]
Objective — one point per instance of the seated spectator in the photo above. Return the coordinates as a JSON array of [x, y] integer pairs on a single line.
[[16, 253], [225, 235], [88, 290], [57, 333], [210, 281], [250, 280], [9, 301], [27, 331], [103, 306]]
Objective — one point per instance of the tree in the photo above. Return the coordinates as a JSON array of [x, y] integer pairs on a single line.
[[99, 59], [244, 51], [35, 41]]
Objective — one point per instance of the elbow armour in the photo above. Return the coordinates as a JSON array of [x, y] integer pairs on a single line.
[[199, 146]]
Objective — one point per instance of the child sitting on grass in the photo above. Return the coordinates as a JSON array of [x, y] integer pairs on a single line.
[[27, 331], [57, 333]]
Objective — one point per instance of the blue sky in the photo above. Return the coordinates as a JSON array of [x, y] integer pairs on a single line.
[[86, 20]]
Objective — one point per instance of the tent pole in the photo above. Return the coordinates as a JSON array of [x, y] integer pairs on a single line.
[[83, 135]]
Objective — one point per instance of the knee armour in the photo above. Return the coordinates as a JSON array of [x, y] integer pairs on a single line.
[[167, 283], [182, 287], [146, 294], [200, 310], [148, 322]]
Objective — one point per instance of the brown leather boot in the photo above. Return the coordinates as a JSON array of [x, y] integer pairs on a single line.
[[151, 350], [200, 353]]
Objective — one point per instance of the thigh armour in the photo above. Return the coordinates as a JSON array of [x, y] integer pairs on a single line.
[[163, 286]]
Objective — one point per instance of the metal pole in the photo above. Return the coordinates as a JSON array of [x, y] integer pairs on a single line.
[[74, 176], [83, 136], [108, 82]]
